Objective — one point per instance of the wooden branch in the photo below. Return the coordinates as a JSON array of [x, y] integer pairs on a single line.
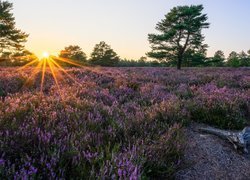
[[240, 140]]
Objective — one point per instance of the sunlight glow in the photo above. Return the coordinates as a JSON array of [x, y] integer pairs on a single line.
[[50, 64], [46, 54]]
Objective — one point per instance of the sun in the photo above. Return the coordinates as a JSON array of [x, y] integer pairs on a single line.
[[45, 54], [50, 63]]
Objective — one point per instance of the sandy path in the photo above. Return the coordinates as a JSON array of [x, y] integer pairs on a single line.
[[208, 157]]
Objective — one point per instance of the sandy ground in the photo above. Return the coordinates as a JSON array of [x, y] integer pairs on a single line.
[[209, 157]]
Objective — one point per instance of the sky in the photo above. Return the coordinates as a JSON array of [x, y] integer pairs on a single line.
[[124, 24]]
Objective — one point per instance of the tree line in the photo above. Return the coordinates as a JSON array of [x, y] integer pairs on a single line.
[[179, 43], [103, 55]]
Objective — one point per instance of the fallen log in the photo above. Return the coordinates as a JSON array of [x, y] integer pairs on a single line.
[[240, 140]]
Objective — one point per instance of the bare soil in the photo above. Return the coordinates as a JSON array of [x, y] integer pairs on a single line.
[[209, 157]]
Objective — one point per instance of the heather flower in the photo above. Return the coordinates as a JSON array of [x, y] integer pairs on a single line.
[[2, 162], [112, 122]]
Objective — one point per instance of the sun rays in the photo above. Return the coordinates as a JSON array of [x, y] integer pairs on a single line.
[[50, 64]]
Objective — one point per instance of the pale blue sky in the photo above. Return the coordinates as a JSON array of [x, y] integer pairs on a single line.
[[124, 24]]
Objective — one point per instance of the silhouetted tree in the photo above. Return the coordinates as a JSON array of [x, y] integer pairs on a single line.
[[11, 38], [143, 58], [103, 55], [248, 52], [233, 59], [155, 63], [23, 57], [142, 62], [194, 59], [179, 31], [244, 59], [18, 58], [127, 63], [218, 60], [73, 53]]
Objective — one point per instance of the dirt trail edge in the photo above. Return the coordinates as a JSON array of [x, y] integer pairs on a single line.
[[209, 157]]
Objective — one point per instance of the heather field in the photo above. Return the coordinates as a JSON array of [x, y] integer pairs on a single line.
[[119, 123]]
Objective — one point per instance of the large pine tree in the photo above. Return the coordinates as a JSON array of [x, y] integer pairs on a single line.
[[180, 32], [11, 39]]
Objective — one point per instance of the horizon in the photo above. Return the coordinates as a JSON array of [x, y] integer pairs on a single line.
[[125, 25]]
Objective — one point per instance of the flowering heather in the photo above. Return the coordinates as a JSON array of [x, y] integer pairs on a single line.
[[118, 123]]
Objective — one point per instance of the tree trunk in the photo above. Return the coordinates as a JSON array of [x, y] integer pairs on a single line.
[[179, 62], [181, 52]]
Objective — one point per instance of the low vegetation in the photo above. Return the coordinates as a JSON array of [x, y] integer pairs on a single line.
[[112, 122]]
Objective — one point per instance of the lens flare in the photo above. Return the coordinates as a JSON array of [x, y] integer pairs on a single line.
[[50, 64], [46, 54]]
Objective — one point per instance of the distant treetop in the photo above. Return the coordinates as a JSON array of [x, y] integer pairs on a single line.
[[103, 55], [73, 52]]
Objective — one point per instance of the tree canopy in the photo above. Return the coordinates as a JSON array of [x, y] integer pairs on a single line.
[[194, 59], [233, 59], [244, 59], [11, 38], [75, 53], [103, 55], [218, 60], [180, 31]]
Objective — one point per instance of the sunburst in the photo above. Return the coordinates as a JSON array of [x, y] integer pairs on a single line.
[[50, 64]]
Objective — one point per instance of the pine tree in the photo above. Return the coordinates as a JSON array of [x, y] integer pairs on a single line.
[[11, 38], [180, 32]]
